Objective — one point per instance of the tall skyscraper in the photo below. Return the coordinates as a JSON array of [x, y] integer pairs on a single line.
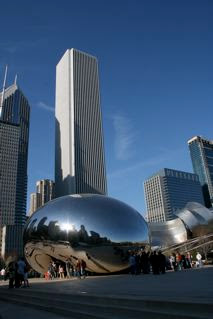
[[45, 191], [169, 190], [35, 202], [201, 151], [46, 188], [14, 134], [79, 149]]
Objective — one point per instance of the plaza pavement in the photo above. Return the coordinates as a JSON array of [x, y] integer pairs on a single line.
[[194, 286]]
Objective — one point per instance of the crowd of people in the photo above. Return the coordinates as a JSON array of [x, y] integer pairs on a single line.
[[17, 273], [140, 262], [157, 263], [66, 270]]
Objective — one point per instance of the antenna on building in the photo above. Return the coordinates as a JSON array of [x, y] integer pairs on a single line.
[[3, 90], [15, 81]]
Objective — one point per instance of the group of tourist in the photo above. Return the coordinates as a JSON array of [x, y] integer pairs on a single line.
[[146, 262], [66, 270], [157, 263], [17, 273], [140, 262]]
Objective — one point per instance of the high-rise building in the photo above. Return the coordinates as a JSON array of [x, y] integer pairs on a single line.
[[79, 149], [35, 202], [168, 191], [45, 191], [14, 134], [46, 188], [201, 151]]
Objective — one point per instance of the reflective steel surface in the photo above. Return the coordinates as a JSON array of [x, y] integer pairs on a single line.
[[197, 218], [98, 229], [165, 234], [193, 221]]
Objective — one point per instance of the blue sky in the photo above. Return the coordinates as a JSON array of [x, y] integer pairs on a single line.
[[156, 78]]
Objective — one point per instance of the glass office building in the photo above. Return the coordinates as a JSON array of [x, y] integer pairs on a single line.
[[14, 135], [201, 151], [168, 191], [15, 112]]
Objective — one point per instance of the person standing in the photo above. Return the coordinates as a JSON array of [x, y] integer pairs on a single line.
[[199, 259], [61, 272], [3, 272], [132, 263], [188, 260], [11, 275], [68, 268], [155, 263], [21, 266], [161, 262], [83, 268], [78, 269]]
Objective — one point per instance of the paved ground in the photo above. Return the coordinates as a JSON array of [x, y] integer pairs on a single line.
[[191, 285], [10, 311]]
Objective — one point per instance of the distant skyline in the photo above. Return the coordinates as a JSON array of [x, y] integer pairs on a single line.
[[156, 79]]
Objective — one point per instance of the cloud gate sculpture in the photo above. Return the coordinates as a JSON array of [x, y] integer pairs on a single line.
[[96, 228], [101, 231]]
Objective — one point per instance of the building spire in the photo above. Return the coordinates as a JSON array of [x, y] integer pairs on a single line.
[[3, 90], [15, 81]]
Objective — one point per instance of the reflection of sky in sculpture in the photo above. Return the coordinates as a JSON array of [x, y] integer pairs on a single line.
[[87, 219]]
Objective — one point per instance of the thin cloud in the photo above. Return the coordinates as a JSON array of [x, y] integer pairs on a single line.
[[45, 106], [125, 137], [13, 46], [154, 161]]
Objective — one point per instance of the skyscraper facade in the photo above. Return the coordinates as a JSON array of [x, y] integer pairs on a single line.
[[201, 151], [45, 191], [14, 134], [168, 191], [46, 188], [15, 113], [79, 149], [35, 202]]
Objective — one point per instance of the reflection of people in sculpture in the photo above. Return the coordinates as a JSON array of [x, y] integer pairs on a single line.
[[83, 235], [42, 228], [54, 230], [31, 227]]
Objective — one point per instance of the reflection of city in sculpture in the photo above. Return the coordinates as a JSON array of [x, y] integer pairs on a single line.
[[95, 228], [100, 230]]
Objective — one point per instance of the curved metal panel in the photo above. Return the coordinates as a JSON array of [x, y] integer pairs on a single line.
[[197, 218], [95, 228], [164, 234]]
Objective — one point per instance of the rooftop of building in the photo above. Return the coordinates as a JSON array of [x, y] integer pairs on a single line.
[[174, 173], [199, 138]]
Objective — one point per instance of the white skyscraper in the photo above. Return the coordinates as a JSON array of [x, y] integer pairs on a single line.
[[79, 149]]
